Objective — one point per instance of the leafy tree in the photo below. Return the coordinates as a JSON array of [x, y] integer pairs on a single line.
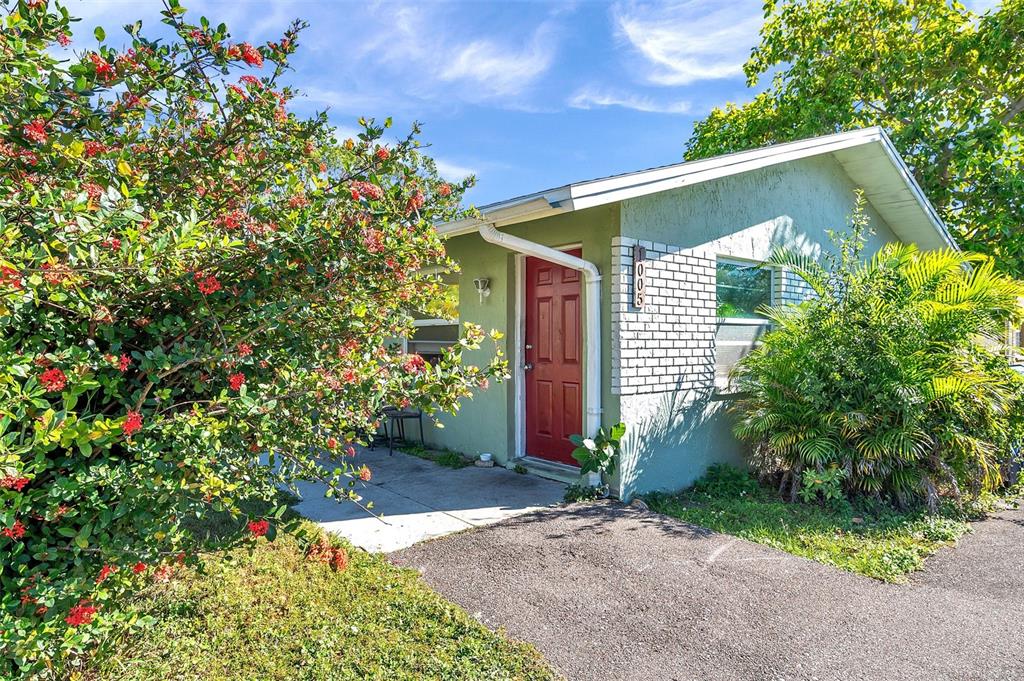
[[197, 290], [891, 375], [947, 85]]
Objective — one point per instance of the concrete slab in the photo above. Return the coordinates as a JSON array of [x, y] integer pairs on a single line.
[[420, 500]]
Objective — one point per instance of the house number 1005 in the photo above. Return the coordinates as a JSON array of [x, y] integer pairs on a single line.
[[639, 276]]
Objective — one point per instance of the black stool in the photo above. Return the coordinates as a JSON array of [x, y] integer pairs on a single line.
[[396, 417]]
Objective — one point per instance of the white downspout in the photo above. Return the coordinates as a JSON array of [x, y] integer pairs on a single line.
[[592, 312]]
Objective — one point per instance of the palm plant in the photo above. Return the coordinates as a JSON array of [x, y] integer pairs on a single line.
[[894, 372]]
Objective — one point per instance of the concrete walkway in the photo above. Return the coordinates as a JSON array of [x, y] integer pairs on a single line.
[[420, 500], [611, 592]]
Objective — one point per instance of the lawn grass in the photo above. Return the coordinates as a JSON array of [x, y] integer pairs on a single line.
[[445, 457], [269, 613], [869, 539]]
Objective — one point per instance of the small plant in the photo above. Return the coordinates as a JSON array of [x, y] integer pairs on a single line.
[[447, 457], [826, 485], [575, 493], [723, 480], [520, 468], [597, 454]]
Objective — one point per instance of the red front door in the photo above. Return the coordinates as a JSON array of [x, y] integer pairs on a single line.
[[554, 376]]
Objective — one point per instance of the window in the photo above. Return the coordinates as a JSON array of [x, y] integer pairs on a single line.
[[742, 288], [437, 327]]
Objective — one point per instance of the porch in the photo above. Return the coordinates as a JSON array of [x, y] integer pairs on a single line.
[[420, 500]]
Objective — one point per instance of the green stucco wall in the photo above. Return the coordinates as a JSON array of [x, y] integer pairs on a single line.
[[485, 423], [673, 437]]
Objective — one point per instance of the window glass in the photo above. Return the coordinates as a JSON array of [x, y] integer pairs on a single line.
[[742, 289], [445, 306]]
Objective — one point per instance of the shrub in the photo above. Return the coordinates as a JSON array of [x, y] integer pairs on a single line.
[[892, 373], [196, 293]]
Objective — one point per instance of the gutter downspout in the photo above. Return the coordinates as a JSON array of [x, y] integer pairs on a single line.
[[592, 313]]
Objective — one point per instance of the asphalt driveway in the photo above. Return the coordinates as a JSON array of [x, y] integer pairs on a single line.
[[607, 591]]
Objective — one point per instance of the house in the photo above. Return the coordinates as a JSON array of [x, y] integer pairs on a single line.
[[629, 298]]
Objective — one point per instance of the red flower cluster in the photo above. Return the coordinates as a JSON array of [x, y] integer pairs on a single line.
[[367, 189], [231, 220], [251, 81], [373, 239], [93, 191], [105, 572], [123, 363], [11, 482], [10, 277], [63, 39], [382, 153], [298, 201], [332, 443], [414, 364], [250, 55], [81, 613], [364, 474], [207, 284], [15, 531], [236, 380], [36, 131], [322, 552], [244, 349], [445, 189], [132, 424], [258, 528], [104, 69], [94, 148], [139, 568], [113, 243], [53, 380], [55, 274], [415, 202], [130, 101]]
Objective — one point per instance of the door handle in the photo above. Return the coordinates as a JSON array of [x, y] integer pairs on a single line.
[[527, 366]]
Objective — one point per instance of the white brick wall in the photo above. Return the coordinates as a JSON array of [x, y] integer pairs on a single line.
[[670, 344], [789, 288]]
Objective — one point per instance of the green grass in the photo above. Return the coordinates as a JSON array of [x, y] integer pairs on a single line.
[[872, 540], [269, 613], [445, 457]]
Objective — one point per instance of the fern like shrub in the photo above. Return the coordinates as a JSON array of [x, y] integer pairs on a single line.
[[892, 373]]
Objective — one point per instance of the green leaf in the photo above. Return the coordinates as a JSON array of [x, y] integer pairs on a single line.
[[100, 34]]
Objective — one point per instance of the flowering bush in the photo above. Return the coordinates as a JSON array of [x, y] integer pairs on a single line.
[[197, 292]]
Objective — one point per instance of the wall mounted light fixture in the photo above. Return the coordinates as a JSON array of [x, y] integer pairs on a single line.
[[483, 287]]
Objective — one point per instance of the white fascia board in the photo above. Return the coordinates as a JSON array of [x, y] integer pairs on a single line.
[[588, 194], [522, 209]]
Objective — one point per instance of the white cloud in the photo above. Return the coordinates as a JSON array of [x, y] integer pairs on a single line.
[[589, 98], [690, 41], [341, 101], [418, 43], [453, 171], [500, 69]]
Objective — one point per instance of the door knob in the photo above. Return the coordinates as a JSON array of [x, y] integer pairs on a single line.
[[529, 347], [527, 366]]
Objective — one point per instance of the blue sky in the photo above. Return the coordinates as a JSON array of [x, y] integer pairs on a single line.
[[525, 95]]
